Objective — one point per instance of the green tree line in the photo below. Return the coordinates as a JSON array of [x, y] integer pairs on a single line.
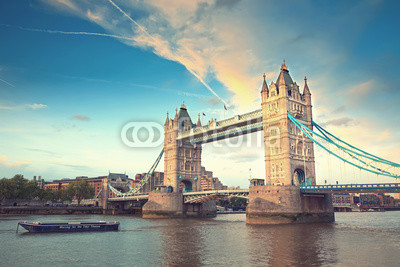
[[20, 188]]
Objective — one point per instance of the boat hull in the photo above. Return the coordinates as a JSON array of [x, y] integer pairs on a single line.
[[69, 227]]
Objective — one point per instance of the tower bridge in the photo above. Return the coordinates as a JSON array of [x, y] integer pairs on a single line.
[[290, 194]]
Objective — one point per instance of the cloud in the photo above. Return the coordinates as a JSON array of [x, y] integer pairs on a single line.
[[362, 89], [94, 17], [3, 160], [247, 156], [80, 117], [8, 83], [76, 167], [23, 107], [212, 101], [339, 109], [226, 3], [300, 37], [8, 107], [384, 136], [18, 164], [78, 33], [339, 122], [37, 106], [41, 151], [184, 31]]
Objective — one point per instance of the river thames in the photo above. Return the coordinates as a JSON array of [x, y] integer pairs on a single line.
[[355, 239]]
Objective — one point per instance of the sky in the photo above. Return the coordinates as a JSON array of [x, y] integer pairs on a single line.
[[74, 73]]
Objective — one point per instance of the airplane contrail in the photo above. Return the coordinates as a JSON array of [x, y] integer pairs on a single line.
[[77, 33], [10, 84], [149, 35]]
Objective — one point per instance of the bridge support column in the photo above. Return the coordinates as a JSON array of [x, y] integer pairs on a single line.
[[201, 210], [170, 205], [285, 204], [163, 205]]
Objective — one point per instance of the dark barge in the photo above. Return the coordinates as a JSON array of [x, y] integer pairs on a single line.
[[38, 227]]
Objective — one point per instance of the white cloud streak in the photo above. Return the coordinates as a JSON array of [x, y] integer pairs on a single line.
[[80, 117], [8, 83], [193, 72], [78, 33], [37, 106], [23, 107]]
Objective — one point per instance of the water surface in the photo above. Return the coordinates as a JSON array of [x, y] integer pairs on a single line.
[[355, 239]]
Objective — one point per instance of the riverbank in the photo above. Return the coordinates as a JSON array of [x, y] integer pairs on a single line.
[[49, 210]]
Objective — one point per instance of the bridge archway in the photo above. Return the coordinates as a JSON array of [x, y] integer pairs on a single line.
[[185, 186], [299, 177]]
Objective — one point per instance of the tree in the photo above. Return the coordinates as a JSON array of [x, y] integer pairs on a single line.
[[79, 190], [5, 188], [18, 187], [238, 202]]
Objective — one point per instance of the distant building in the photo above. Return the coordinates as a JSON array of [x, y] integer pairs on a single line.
[[117, 180], [257, 182], [156, 179], [209, 182], [233, 188], [342, 198], [362, 201], [39, 181]]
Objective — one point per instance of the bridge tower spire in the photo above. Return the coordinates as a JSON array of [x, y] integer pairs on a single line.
[[289, 160], [182, 159], [289, 157]]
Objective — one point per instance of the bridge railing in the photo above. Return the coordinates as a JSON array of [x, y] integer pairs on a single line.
[[352, 187]]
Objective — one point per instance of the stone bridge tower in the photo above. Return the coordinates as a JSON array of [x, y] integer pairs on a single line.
[[182, 159], [182, 173], [289, 159], [289, 156]]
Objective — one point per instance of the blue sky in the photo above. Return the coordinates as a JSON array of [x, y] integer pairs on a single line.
[[64, 97]]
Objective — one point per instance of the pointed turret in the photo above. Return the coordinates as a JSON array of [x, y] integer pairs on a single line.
[[176, 117], [264, 86], [166, 120], [198, 122], [306, 90], [183, 105], [284, 76]]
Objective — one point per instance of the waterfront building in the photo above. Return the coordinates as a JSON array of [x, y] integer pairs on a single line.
[[117, 180], [343, 199]]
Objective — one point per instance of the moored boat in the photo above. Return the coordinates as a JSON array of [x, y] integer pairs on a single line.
[[39, 227]]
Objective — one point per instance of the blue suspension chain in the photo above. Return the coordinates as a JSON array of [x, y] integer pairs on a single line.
[[302, 127]]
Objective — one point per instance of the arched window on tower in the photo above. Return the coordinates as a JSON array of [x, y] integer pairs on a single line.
[[300, 148]]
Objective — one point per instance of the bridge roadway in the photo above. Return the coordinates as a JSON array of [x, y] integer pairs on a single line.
[[203, 196], [218, 130]]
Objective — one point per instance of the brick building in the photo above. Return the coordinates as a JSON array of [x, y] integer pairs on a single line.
[[156, 179], [209, 182], [117, 180]]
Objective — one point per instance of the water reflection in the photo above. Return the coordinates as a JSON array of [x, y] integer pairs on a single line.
[[181, 243], [292, 245]]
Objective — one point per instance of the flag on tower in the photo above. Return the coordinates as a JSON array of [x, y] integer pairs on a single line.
[[204, 114]]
